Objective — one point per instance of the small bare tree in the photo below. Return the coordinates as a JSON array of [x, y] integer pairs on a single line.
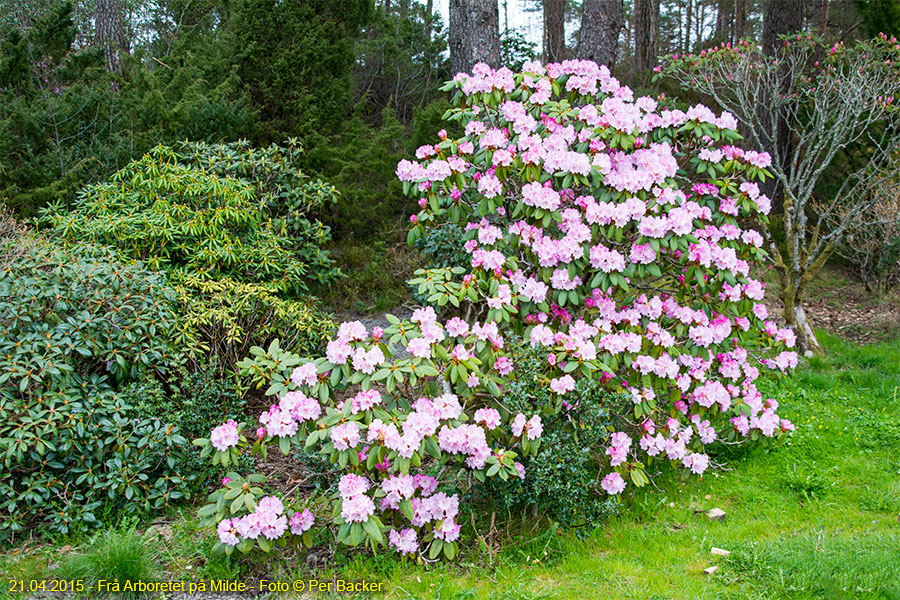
[[835, 100], [873, 244]]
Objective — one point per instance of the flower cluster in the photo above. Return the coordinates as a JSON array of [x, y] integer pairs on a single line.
[[618, 236], [225, 436], [267, 520], [641, 218]]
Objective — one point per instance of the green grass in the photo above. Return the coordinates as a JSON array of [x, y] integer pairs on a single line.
[[113, 555], [816, 517]]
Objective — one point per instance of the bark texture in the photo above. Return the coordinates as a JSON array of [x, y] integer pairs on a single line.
[[740, 19], [780, 17], [646, 19], [601, 22], [554, 30], [110, 32], [485, 29], [460, 52], [724, 21], [474, 34]]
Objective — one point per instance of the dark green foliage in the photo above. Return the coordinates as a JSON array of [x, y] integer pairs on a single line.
[[888, 261], [295, 60], [54, 107], [427, 121], [880, 16], [78, 313], [443, 247], [563, 479], [76, 326], [198, 402], [361, 161], [515, 49], [400, 60], [65, 121]]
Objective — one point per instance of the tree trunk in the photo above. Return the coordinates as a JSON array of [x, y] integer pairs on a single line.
[[484, 20], [554, 30], [740, 19], [646, 18], [724, 20], [687, 27], [795, 317], [780, 17], [110, 32], [474, 34], [823, 19], [429, 15], [601, 22], [460, 51]]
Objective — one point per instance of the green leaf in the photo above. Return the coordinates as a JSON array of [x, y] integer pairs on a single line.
[[406, 508], [372, 529], [436, 547]]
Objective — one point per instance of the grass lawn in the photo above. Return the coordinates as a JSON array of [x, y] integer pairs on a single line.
[[814, 518]]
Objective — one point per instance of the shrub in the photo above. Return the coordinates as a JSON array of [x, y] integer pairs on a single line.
[[376, 273], [226, 222], [570, 193], [197, 401], [564, 476], [441, 246], [77, 325], [360, 159]]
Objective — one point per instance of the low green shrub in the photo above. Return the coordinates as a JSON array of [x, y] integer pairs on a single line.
[[228, 223], [77, 326], [376, 272], [442, 248], [563, 478], [197, 401]]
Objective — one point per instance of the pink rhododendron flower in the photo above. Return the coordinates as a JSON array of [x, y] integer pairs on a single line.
[[357, 509], [345, 436], [613, 484], [227, 532], [562, 385], [404, 541], [224, 436], [305, 374], [301, 522]]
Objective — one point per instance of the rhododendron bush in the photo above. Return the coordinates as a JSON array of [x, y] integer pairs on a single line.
[[614, 235]]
